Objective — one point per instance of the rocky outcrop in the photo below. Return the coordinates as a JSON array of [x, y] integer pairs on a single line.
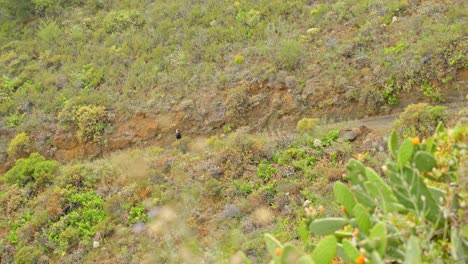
[[351, 134]]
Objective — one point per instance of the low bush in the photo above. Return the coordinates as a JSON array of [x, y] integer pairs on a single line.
[[213, 188], [238, 102], [289, 55], [34, 171], [137, 214], [87, 212], [27, 255], [420, 120], [307, 125], [265, 171], [92, 120], [19, 146], [118, 21]]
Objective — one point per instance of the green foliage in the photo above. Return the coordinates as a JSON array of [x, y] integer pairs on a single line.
[[331, 136], [289, 55], [390, 92], [243, 188], [432, 92], [86, 214], [34, 171], [27, 255], [396, 49], [420, 120], [118, 21], [239, 59], [19, 146], [92, 120], [13, 236], [325, 250], [307, 125], [90, 77], [214, 188], [49, 32], [249, 18], [327, 226], [265, 171], [137, 214], [15, 119], [406, 219], [69, 238], [46, 6]]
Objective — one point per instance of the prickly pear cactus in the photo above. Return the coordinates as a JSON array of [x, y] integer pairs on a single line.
[[415, 214]]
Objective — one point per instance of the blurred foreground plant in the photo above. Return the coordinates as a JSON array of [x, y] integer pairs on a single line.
[[416, 215]]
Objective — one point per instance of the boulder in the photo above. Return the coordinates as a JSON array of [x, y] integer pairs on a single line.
[[350, 134]]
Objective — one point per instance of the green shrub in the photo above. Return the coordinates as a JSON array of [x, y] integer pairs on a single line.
[[7, 88], [297, 157], [213, 188], [137, 214], [87, 213], [15, 119], [265, 171], [67, 116], [289, 55], [19, 146], [243, 188], [27, 255], [239, 59], [249, 18], [408, 218], [238, 101], [69, 238], [432, 92], [330, 137], [13, 235], [46, 6], [35, 171], [268, 192], [78, 176], [91, 76], [49, 32], [307, 125], [118, 21], [92, 120], [420, 120]]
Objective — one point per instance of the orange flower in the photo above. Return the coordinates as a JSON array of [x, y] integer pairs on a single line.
[[278, 251], [343, 209], [321, 209], [415, 141], [361, 259]]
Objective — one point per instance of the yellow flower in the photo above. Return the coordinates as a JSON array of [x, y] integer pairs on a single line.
[[415, 141]]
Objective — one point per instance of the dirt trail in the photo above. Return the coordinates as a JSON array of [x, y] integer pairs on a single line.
[[385, 122]]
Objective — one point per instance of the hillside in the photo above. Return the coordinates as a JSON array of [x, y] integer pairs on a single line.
[[202, 65], [273, 99]]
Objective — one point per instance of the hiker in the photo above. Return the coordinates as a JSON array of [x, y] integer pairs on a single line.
[[178, 135]]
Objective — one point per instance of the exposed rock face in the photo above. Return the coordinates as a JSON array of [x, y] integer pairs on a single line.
[[128, 132]]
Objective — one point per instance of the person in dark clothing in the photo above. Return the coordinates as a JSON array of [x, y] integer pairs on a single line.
[[178, 135]]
